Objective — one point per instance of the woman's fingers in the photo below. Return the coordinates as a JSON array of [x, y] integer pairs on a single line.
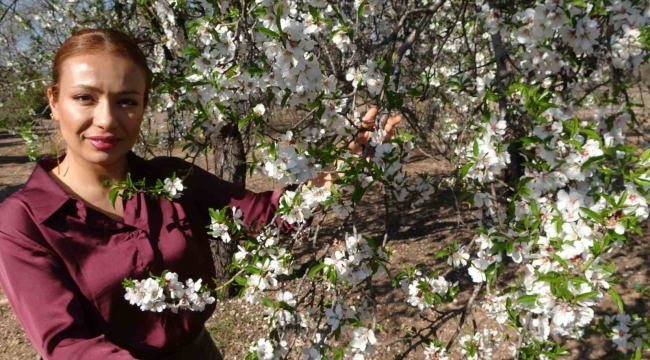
[[391, 123], [370, 115], [368, 121], [394, 120]]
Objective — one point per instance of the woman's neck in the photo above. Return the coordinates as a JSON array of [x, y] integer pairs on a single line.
[[73, 170]]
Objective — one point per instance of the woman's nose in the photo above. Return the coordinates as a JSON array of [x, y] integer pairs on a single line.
[[106, 115]]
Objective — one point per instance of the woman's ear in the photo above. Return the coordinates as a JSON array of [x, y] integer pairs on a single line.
[[52, 99]]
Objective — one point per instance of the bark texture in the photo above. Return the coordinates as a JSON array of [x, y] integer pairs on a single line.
[[229, 164]]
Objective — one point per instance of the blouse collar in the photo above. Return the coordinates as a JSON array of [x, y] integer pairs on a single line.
[[45, 196]]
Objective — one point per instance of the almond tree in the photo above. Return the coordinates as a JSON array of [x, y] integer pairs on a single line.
[[528, 100]]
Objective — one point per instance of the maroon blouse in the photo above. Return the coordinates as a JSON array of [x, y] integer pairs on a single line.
[[62, 263]]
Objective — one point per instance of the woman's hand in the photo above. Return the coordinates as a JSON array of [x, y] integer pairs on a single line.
[[368, 126], [356, 146]]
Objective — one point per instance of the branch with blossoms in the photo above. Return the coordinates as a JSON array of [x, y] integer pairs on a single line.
[[264, 265], [170, 188]]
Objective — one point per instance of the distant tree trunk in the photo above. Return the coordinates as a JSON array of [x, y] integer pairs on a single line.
[[230, 165], [504, 74]]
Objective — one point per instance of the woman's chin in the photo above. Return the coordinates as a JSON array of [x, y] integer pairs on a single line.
[[104, 156]]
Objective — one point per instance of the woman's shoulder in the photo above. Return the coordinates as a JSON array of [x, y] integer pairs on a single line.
[[19, 221], [16, 205], [36, 201], [17, 209], [168, 164]]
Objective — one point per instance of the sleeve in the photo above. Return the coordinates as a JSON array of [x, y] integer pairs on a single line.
[[216, 193], [209, 191], [42, 293]]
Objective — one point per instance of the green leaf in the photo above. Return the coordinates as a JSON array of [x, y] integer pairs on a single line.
[[617, 300], [499, 234], [287, 93], [592, 160], [498, 247], [524, 299], [252, 269], [399, 276], [553, 278], [645, 156], [557, 258], [587, 295], [524, 192], [465, 169], [315, 269], [579, 3], [278, 23], [268, 32], [533, 208], [267, 302], [240, 280], [510, 247], [360, 10], [414, 92], [260, 11], [442, 253], [112, 196], [592, 214], [591, 134], [314, 12], [475, 148], [331, 276], [255, 71], [191, 51], [642, 182], [128, 283]]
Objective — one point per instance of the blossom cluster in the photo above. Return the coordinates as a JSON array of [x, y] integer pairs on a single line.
[[423, 292], [174, 187], [353, 261], [167, 293], [627, 332], [480, 346], [575, 217], [435, 351], [574, 26], [486, 156], [289, 162]]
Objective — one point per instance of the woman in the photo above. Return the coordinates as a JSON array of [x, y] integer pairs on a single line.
[[64, 249]]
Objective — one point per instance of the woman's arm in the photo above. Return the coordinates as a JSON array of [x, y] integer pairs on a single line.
[[326, 179], [42, 293], [204, 190], [209, 191]]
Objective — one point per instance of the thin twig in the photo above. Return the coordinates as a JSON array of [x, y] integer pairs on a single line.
[[468, 307]]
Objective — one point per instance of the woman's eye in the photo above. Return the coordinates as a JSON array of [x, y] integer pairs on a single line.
[[84, 99], [128, 102]]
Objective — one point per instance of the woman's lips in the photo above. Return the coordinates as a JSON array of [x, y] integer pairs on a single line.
[[103, 142]]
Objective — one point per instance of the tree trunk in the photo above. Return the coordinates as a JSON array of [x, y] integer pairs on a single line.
[[514, 171], [230, 165]]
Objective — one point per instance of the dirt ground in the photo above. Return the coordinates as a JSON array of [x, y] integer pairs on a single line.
[[418, 235]]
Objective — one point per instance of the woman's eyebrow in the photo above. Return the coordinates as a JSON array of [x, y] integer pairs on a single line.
[[95, 89]]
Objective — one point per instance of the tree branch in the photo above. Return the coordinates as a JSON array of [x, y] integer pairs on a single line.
[[408, 43]]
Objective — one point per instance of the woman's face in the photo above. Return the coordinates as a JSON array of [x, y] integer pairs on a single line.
[[100, 106]]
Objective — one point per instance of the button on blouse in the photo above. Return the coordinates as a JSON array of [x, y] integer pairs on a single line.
[[62, 263]]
